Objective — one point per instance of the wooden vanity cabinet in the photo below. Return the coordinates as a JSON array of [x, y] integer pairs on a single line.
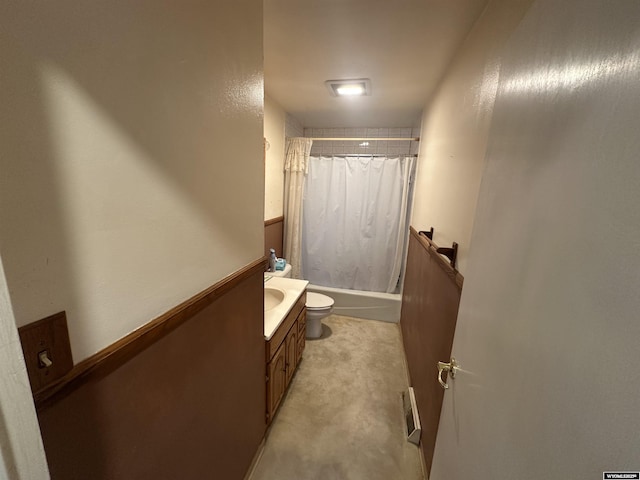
[[283, 354]]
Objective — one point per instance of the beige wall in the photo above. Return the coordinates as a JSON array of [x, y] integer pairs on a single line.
[[455, 128], [132, 162], [548, 318], [274, 127]]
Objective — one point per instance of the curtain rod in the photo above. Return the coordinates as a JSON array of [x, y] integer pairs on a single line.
[[390, 155], [363, 139]]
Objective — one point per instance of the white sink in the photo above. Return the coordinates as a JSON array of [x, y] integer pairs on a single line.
[[280, 295], [273, 297]]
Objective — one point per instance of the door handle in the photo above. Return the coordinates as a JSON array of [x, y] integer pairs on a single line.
[[451, 367]]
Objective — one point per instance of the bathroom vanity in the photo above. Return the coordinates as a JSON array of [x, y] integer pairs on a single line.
[[284, 333]]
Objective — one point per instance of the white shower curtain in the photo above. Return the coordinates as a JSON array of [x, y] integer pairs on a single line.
[[296, 166], [355, 221]]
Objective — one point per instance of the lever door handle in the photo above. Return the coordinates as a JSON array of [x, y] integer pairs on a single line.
[[451, 367]]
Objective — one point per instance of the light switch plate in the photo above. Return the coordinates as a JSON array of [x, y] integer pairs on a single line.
[[51, 337]]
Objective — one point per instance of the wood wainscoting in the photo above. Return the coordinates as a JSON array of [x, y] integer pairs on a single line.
[[273, 235], [430, 301], [182, 397]]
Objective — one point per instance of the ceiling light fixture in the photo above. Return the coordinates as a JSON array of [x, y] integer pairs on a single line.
[[351, 87], [350, 90]]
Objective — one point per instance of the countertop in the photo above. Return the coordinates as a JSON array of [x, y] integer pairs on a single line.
[[293, 288]]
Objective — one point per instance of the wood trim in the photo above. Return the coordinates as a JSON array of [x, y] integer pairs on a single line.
[[430, 304], [256, 459], [118, 353], [271, 221], [274, 236], [431, 247]]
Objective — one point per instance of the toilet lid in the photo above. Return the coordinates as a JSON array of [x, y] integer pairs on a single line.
[[317, 301]]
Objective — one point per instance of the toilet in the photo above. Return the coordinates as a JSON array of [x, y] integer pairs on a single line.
[[318, 306]]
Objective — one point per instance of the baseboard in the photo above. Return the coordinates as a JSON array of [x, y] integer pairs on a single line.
[[423, 463], [256, 459]]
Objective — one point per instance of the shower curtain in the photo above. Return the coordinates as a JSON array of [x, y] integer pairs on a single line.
[[355, 221], [296, 165]]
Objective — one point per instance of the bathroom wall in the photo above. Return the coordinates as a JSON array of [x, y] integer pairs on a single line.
[[189, 403], [430, 301], [451, 161], [293, 127], [549, 304], [391, 148], [455, 129], [274, 129], [131, 151], [132, 157]]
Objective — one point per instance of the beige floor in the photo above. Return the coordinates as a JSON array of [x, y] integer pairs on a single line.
[[342, 416]]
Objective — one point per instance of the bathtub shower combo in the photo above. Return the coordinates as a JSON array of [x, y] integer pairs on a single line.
[[355, 227], [362, 304]]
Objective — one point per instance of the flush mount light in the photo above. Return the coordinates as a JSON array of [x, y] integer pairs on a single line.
[[349, 88]]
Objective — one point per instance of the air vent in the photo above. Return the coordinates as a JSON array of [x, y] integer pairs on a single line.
[[414, 430]]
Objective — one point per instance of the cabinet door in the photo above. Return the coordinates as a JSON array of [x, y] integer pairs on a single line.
[[302, 334], [302, 323], [292, 351], [301, 344], [277, 380]]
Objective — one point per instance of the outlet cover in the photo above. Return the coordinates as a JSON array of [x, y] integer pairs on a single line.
[[46, 349]]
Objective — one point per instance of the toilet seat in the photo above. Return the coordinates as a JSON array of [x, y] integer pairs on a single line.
[[317, 301]]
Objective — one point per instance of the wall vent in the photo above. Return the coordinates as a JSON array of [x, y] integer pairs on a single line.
[[412, 419]]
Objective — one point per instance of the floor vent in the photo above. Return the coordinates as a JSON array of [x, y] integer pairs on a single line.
[[411, 416]]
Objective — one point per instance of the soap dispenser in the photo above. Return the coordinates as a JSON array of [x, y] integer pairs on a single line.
[[272, 260]]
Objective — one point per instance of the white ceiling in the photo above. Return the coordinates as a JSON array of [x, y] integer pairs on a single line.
[[403, 46]]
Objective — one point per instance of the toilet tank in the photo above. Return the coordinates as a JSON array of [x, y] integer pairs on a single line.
[[282, 273]]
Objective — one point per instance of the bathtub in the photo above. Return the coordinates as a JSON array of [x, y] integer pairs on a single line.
[[361, 304]]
